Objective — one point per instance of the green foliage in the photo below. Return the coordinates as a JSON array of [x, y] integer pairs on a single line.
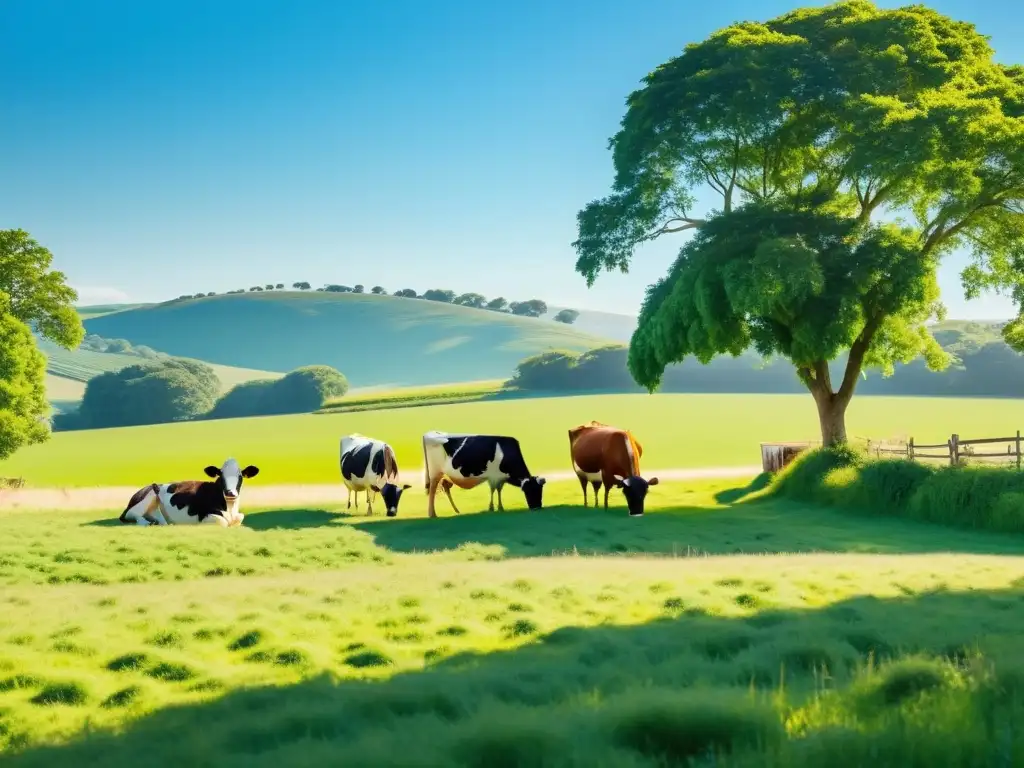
[[246, 399], [36, 294], [23, 406], [567, 316], [806, 126], [531, 308], [304, 390], [986, 498], [154, 392]]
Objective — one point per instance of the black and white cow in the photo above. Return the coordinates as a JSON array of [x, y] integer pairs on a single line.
[[369, 465], [192, 501], [469, 460]]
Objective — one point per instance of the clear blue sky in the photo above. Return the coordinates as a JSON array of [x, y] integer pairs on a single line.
[[159, 147]]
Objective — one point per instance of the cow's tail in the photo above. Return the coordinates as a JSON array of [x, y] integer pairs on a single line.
[[390, 463], [426, 467], [634, 451]]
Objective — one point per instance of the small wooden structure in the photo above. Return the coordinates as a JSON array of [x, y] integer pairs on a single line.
[[776, 456]]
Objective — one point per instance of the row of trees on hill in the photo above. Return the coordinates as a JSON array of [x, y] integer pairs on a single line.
[[95, 343], [172, 389], [988, 370], [529, 308]]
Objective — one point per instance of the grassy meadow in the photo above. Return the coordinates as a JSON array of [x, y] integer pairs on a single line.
[[420, 342], [567, 636], [674, 430]]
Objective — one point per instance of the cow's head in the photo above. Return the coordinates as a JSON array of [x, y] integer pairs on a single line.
[[533, 489], [391, 494], [634, 488], [230, 477]]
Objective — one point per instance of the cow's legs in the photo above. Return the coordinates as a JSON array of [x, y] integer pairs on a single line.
[[501, 507], [214, 520], [141, 513], [607, 490], [583, 485], [156, 515], [348, 505], [597, 487], [369, 501], [490, 507], [447, 488], [431, 493]]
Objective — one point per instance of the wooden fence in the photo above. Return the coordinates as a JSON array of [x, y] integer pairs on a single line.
[[12, 482], [956, 450]]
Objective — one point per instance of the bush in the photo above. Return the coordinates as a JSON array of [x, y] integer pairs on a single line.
[[988, 498], [246, 399], [304, 390], [153, 392]]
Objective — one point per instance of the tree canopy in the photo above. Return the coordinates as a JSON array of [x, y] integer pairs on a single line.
[[23, 406], [154, 392], [33, 297], [848, 148]]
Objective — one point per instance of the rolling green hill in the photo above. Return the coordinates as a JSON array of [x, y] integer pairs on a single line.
[[373, 340], [68, 372]]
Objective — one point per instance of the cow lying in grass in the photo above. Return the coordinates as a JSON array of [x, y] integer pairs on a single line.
[[191, 502]]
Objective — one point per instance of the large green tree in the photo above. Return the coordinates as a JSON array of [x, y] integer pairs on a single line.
[[32, 297], [848, 148]]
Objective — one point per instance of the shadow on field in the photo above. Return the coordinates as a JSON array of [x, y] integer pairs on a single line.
[[754, 527], [537, 701], [733, 495]]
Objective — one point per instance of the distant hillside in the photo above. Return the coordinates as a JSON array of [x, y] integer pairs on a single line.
[[373, 340], [983, 366], [68, 372], [97, 310], [608, 325]]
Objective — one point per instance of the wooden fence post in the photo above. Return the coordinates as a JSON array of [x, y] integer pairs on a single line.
[[954, 450], [910, 449], [1018, 450]]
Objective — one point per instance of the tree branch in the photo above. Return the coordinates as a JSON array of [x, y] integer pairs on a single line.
[[666, 228], [855, 361]]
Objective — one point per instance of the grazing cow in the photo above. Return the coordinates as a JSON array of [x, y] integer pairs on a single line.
[[609, 455], [369, 465], [192, 501], [469, 460]]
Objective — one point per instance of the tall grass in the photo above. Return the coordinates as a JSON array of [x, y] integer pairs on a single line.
[[982, 497]]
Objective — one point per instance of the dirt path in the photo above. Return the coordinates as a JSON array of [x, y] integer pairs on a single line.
[[255, 495]]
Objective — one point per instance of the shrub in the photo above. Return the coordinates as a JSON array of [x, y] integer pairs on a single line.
[[302, 391], [153, 392], [990, 498]]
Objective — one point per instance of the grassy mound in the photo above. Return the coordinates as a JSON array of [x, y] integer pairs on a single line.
[[984, 497], [373, 340]]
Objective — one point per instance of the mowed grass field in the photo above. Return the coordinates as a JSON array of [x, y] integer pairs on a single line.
[[566, 636], [674, 430]]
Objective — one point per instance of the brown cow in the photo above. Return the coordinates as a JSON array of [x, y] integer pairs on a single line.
[[609, 455]]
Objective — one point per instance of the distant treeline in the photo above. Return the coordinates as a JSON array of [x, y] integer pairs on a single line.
[[172, 389], [529, 308], [94, 343], [986, 370]]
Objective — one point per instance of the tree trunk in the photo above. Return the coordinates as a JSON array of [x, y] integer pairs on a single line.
[[832, 417]]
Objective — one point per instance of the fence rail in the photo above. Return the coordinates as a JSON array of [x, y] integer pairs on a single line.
[[956, 450]]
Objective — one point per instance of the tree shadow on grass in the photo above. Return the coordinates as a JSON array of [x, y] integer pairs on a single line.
[[760, 526], [580, 695], [733, 495], [270, 520]]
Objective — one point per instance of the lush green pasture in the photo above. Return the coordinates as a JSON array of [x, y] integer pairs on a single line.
[[674, 430], [310, 636]]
